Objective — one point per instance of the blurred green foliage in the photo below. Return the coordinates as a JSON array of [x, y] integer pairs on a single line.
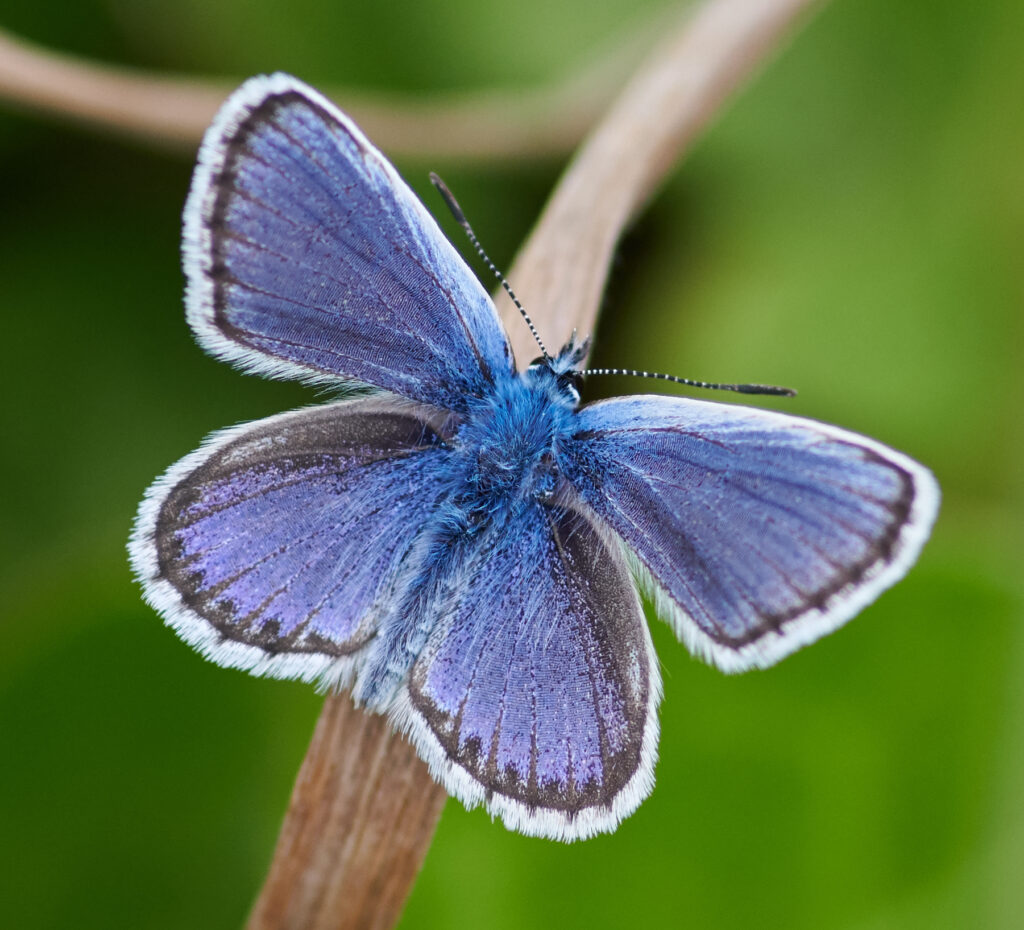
[[852, 226]]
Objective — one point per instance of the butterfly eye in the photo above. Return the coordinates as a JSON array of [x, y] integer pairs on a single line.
[[571, 382], [538, 362]]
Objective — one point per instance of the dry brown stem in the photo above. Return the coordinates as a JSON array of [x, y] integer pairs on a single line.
[[489, 125], [364, 807], [361, 817]]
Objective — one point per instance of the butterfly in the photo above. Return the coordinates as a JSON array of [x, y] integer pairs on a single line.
[[460, 543]]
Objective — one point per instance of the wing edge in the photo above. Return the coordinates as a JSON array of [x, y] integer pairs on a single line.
[[197, 247]]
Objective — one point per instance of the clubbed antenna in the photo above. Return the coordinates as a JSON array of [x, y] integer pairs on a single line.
[[460, 218], [739, 388]]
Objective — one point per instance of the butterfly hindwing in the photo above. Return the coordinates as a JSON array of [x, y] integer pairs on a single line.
[[537, 691], [272, 546], [307, 256], [760, 532]]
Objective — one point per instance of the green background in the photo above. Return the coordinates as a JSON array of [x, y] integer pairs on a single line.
[[853, 226]]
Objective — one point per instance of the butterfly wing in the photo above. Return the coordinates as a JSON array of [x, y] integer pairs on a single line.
[[760, 532], [537, 690], [308, 257], [271, 547]]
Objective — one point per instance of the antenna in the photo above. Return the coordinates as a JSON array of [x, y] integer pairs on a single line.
[[739, 388], [460, 218]]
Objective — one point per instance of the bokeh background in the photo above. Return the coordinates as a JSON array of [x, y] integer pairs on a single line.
[[852, 226]]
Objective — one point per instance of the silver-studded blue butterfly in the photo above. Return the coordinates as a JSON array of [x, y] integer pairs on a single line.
[[462, 545]]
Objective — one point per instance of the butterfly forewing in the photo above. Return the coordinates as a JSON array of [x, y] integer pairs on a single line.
[[307, 256], [537, 691], [271, 547], [762, 531]]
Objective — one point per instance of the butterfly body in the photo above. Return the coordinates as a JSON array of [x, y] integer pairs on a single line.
[[503, 464], [462, 544]]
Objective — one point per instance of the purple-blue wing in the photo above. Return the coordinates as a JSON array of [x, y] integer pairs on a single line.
[[759, 532], [537, 690], [307, 256], [272, 547]]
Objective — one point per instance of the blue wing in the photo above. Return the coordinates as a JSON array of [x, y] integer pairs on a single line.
[[272, 547], [538, 688], [308, 257], [760, 532]]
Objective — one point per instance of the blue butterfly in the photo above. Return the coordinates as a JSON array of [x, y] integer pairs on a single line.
[[462, 545]]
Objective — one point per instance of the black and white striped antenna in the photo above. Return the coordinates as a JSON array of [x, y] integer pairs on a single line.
[[708, 385], [460, 218]]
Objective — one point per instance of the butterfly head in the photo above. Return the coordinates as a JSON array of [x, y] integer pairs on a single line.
[[563, 368]]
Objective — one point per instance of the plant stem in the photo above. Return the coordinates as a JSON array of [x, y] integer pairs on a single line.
[[483, 125], [361, 817]]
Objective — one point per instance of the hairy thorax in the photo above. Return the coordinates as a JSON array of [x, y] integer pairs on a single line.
[[509, 445]]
